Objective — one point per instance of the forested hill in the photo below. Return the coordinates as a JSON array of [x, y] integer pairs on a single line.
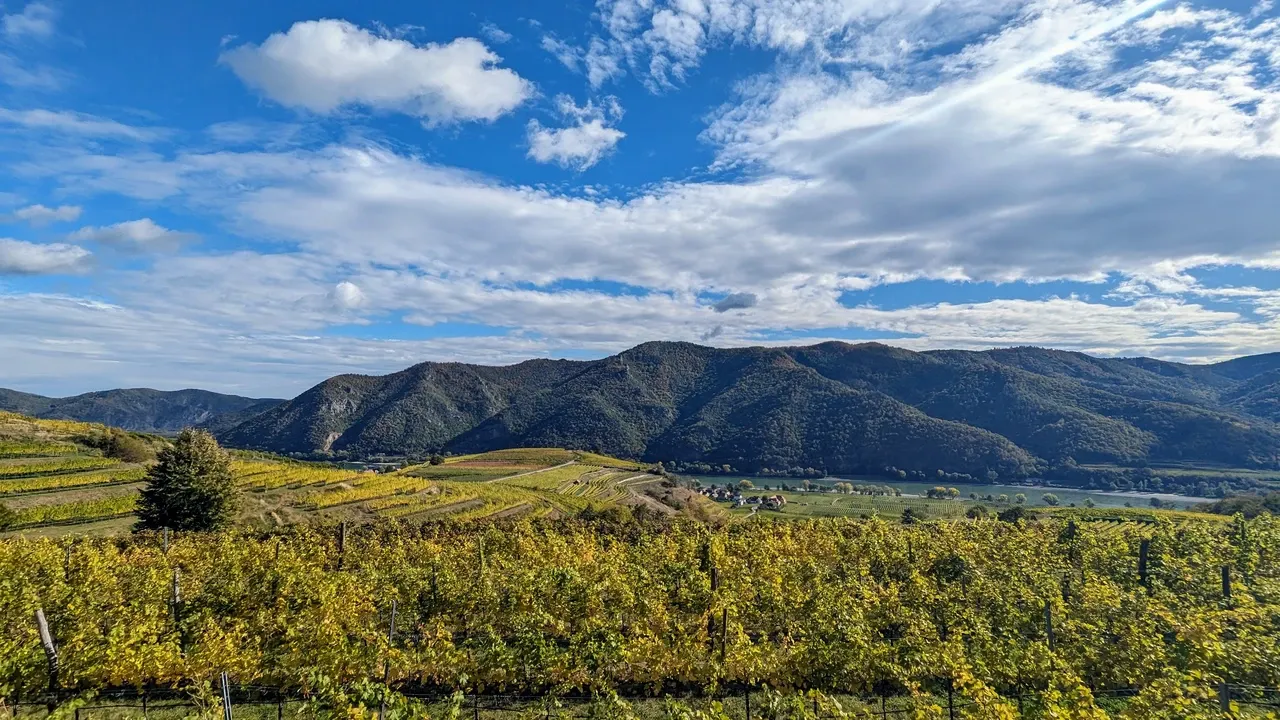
[[141, 409], [834, 406]]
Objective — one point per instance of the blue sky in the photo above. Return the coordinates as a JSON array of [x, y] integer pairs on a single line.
[[251, 197]]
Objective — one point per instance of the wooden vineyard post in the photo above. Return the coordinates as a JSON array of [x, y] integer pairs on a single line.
[[226, 698], [746, 699], [175, 594], [724, 634], [50, 649], [275, 572], [1224, 697], [1226, 584], [951, 700], [342, 544], [386, 667], [1143, 549], [1048, 626], [166, 541], [711, 621]]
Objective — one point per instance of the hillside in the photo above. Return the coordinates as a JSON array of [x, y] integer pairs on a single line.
[[836, 407], [59, 477], [141, 409]]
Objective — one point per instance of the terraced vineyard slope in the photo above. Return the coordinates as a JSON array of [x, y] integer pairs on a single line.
[[61, 473], [55, 480]]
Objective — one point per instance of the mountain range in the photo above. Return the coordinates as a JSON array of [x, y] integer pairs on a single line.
[[141, 409], [836, 407]]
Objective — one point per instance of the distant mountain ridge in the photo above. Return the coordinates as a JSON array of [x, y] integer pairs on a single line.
[[142, 409], [834, 406]]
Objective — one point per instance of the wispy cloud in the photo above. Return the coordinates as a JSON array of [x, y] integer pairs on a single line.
[[495, 34], [39, 215], [143, 235], [36, 20], [76, 123]]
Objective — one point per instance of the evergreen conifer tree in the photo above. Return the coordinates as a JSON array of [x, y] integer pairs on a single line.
[[190, 488]]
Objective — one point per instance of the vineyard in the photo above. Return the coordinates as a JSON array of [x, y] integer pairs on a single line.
[[1069, 621], [53, 466], [50, 478]]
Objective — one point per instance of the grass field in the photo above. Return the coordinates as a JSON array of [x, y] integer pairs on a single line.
[[811, 505]]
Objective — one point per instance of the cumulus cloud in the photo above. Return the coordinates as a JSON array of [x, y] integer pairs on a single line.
[[36, 20], [25, 258], [39, 215], [143, 235], [347, 296], [1051, 147], [735, 301], [325, 65], [582, 144]]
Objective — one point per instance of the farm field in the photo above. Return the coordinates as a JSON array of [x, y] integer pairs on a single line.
[[55, 483]]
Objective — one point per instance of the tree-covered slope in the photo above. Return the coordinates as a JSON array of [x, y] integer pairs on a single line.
[[418, 409], [137, 409], [833, 406]]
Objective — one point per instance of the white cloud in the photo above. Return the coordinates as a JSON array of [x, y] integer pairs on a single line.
[[347, 296], [495, 34], [582, 144], [15, 73], [36, 20], [40, 215], [1143, 153], [252, 131], [568, 55], [75, 123], [324, 65], [133, 236], [602, 63], [662, 40], [24, 258]]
